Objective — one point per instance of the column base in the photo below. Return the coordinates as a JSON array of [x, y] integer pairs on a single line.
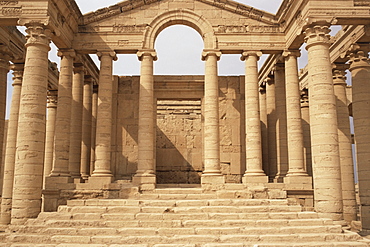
[[247, 179], [59, 183], [212, 179], [99, 182], [298, 182], [145, 182]]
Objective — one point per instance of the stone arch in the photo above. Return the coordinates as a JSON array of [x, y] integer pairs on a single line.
[[178, 17]]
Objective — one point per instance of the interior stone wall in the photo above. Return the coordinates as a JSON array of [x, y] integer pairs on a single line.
[[179, 131]]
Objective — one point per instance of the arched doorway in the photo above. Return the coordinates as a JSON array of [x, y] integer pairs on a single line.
[[179, 109]]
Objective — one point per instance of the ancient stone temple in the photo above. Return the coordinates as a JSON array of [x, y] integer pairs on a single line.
[[260, 159]]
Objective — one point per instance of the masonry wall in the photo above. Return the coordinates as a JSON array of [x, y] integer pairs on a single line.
[[179, 130]]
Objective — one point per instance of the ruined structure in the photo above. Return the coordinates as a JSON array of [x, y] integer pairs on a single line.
[[97, 146]]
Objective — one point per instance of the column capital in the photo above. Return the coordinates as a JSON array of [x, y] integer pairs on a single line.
[[269, 80], [288, 53], [246, 54], [317, 34], [278, 67], [112, 54], [52, 99], [18, 69], [358, 56], [262, 87], [37, 34], [211, 52], [78, 68], [88, 79], [147, 52], [304, 97], [66, 52]]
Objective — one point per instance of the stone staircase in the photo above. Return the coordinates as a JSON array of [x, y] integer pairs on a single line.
[[180, 217]]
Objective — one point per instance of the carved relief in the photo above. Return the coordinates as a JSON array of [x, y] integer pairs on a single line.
[[7, 3], [118, 28], [362, 2], [102, 14], [231, 29], [246, 29], [11, 11]]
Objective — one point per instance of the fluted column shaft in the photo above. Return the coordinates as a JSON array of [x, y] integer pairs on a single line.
[[211, 139], [104, 116], [324, 127], [345, 145], [28, 172], [253, 142], [76, 121], [63, 117], [50, 131], [271, 127], [294, 117], [11, 141], [360, 70], [145, 173], [86, 130]]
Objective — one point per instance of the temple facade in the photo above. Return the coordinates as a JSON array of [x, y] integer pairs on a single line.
[[82, 132]]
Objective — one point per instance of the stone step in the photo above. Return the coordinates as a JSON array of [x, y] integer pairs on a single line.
[[175, 203], [183, 209], [180, 230], [188, 239]]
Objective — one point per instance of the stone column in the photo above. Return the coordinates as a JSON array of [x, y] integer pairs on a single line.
[[297, 175], [360, 69], [281, 124], [264, 133], [305, 111], [102, 170], [145, 174], [76, 121], [345, 144], [28, 172], [4, 69], [11, 141], [324, 127], [86, 130], [63, 117], [94, 113], [271, 127], [254, 172], [212, 172], [50, 131]]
